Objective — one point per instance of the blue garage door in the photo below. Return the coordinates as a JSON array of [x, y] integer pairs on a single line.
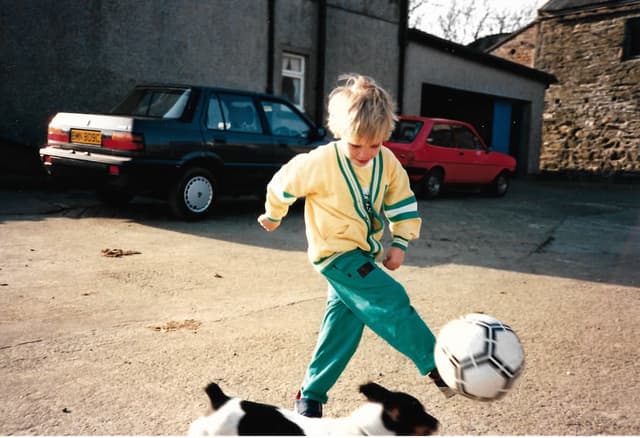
[[501, 132]]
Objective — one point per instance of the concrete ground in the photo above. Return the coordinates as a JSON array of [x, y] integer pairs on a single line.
[[97, 345]]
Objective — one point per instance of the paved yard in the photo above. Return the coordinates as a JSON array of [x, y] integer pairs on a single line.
[[91, 344]]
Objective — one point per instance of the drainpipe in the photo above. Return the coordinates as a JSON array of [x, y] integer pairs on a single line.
[[403, 26], [271, 32], [320, 61]]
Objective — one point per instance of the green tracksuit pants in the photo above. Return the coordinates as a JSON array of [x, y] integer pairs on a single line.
[[361, 293]]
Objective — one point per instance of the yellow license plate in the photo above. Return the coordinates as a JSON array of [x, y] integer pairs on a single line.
[[86, 137]]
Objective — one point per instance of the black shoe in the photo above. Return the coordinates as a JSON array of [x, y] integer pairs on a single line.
[[446, 390], [308, 407]]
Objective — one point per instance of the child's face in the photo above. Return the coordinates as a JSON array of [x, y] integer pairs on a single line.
[[362, 152]]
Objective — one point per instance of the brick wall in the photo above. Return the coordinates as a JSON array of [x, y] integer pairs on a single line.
[[521, 47]]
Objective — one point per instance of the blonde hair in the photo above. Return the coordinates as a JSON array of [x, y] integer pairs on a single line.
[[360, 110]]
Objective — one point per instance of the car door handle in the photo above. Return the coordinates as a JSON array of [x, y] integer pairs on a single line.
[[219, 140], [461, 153]]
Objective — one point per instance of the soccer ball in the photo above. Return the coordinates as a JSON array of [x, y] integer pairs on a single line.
[[479, 356]]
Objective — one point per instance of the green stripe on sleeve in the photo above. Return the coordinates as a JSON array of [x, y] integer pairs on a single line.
[[404, 216], [404, 202]]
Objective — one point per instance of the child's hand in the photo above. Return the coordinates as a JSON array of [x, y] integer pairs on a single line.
[[394, 258], [267, 223]]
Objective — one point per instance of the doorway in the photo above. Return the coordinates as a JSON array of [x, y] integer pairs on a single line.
[[499, 121]]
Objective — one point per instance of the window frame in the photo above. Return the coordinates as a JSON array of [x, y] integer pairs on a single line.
[[294, 75], [631, 33]]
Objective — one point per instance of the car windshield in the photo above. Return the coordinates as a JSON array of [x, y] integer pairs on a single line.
[[284, 121], [405, 131], [162, 103]]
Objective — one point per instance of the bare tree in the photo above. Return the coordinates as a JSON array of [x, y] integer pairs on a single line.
[[463, 21], [508, 21]]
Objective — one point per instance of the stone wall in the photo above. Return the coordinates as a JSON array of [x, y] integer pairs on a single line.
[[520, 47], [591, 121]]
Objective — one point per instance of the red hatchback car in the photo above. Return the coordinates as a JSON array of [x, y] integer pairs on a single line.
[[437, 152]]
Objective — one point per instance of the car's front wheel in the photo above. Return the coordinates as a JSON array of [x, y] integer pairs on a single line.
[[193, 195], [432, 184], [500, 184]]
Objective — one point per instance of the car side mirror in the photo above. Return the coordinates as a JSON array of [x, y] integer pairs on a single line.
[[318, 133]]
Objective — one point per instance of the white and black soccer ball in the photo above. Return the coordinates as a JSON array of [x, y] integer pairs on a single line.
[[479, 356]]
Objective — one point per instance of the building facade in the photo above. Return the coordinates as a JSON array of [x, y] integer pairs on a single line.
[[503, 100], [66, 55], [85, 56], [591, 119]]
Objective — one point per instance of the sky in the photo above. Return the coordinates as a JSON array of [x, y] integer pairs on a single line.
[[436, 8], [513, 4], [498, 4]]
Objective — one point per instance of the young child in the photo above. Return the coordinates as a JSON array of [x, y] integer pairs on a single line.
[[348, 183]]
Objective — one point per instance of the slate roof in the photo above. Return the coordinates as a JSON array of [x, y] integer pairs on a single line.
[[555, 6], [485, 42], [507, 38]]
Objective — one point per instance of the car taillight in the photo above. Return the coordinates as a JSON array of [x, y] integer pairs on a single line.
[[57, 135], [124, 141]]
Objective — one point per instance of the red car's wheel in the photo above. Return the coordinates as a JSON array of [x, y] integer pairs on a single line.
[[432, 184], [500, 184]]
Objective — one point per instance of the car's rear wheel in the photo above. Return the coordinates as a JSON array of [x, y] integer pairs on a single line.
[[193, 195], [432, 184], [500, 184]]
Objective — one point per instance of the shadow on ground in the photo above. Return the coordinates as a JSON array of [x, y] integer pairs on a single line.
[[577, 230]]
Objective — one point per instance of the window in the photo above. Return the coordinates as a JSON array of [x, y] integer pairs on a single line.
[[214, 114], [405, 131], [631, 48], [157, 103], [465, 138], [283, 120], [441, 135], [293, 79], [240, 114]]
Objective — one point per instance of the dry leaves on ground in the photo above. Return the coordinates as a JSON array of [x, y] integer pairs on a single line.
[[187, 324], [116, 252]]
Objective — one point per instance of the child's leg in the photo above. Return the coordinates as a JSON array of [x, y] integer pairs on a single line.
[[382, 304], [338, 339]]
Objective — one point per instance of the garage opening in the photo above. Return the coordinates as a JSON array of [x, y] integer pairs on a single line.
[[498, 120]]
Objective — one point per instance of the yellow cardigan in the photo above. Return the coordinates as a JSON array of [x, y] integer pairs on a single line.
[[337, 215]]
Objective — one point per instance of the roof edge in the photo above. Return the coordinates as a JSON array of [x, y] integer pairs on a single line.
[[455, 49], [511, 36], [547, 9]]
